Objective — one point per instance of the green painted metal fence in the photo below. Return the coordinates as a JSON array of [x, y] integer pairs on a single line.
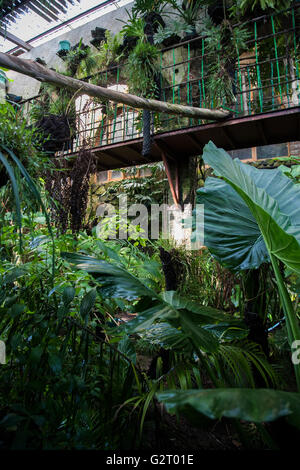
[[264, 77]]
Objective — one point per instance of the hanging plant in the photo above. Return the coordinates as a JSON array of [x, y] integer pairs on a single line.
[[69, 189], [54, 115], [133, 30], [188, 11], [98, 35], [150, 11], [253, 8], [142, 68], [223, 45]]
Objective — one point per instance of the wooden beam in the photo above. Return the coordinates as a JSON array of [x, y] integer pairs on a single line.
[[12, 38], [138, 154], [48, 6], [41, 73], [169, 176], [163, 147], [114, 157], [195, 141], [228, 138], [36, 10], [41, 8]]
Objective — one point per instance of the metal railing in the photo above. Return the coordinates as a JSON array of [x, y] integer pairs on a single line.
[[264, 78]]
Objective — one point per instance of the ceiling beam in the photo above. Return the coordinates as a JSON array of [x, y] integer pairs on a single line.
[[12, 38], [36, 10], [42, 8]]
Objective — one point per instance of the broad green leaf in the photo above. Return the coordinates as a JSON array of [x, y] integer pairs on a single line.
[[68, 295], [272, 198], [12, 275], [108, 252], [114, 280], [167, 337], [230, 230], [228, 331], [88, 303], [260, 405], [199, 336], [167, 307], [126, 346], [55, 363], [205, 314], [36, 354]]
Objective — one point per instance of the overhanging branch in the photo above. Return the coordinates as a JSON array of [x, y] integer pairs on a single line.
[[41, 73]]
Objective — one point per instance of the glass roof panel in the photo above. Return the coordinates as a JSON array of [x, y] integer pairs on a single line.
[[30, 24]]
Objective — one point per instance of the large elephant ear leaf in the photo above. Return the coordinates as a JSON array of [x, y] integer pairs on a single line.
[[239, 244], [258, 406], [272, 198]]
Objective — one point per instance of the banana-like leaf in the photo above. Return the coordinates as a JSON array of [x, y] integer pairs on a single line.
[[272, 199], [168, 306], [258, 406], [167, 337], [88, 303], [203, 314], [115, 281]]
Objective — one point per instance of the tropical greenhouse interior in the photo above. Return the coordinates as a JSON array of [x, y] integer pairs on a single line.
[[150, 225]]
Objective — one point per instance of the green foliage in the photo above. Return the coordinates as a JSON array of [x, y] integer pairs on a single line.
[[54, 330], [17, 136], [134, 27], [190, 12], [271, 201], [292, 171], [268, 200], [174, 29], [109, 51], [224, 44], [243, 6], [142, 68], [80, 60], [147, 190], [143, 7], [249, 405], [193, 329]]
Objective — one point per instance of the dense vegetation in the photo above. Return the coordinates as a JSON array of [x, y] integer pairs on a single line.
[[107, 340], [94, 341]]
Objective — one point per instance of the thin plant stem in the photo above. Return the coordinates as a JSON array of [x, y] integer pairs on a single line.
[[291, 319]]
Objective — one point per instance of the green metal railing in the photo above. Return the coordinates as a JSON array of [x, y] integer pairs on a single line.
[[265, 78]]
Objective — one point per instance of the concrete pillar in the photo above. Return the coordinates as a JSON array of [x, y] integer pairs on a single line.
[[187, 174]]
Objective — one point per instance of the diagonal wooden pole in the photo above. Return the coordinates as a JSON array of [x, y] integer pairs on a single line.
[[43, 74]]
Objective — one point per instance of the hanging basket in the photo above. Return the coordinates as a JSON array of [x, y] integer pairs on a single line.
[[57, 132], [64, 46]]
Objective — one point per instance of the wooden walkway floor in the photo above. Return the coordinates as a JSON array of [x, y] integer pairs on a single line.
[[237, 133]]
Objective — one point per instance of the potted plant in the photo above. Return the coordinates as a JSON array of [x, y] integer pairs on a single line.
[[172, 34], [53, 114], [98, 35], [188, 13], [64, 47], [133, 30], [151, 11]]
